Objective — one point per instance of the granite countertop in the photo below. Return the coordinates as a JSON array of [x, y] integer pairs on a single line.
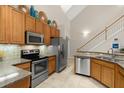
[[120, 62], [10, 73], [48, 55], [15, 61]]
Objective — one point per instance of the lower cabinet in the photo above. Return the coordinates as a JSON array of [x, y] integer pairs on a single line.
[[107, 76], [103, 72], [119, 82], [51, 65], [25, 66], [23, 83], [95, 70]]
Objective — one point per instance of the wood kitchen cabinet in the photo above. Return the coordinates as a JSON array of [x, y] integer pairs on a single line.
[[119, 82], [11, 25], [95, 69], [5, 23], [103, 71], [46, 30], [52, 31], [18, 27], [39, 27], [51, 65], [25, 66], [107, 76], [57, 33], [23, 83], [29, 23]]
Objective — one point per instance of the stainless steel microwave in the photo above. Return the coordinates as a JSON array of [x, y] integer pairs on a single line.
[[33, 38]]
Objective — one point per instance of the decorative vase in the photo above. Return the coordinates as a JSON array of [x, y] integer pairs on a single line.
[[32, 12]]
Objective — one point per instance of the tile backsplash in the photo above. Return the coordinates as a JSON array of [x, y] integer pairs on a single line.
[[9, 51]]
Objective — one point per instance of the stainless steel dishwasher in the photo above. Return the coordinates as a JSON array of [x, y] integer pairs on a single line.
[[82, 65]]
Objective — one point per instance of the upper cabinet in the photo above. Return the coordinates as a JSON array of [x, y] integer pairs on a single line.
[[11, 25], [14, 23], [30, 23], [5, 24], [18, 29], [39, 27], [46, 30], [57, 33], [54, 32]]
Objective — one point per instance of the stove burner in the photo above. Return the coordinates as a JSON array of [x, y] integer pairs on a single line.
[[33, 54]]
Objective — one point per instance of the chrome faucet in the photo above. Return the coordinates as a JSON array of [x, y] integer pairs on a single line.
[[112, 53]]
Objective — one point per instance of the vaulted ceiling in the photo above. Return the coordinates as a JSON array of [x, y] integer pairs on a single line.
[[72, 10]]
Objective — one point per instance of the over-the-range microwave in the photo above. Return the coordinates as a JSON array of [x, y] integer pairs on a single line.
[[34, 38]]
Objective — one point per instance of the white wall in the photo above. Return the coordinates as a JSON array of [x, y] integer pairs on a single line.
[[54, 12], [92, 18]]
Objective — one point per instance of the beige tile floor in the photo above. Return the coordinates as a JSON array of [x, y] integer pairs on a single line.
[[67, 79]]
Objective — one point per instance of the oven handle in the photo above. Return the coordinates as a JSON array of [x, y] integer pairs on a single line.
[[34, 62]]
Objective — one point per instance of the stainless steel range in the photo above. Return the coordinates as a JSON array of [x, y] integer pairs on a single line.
[[39, 65]]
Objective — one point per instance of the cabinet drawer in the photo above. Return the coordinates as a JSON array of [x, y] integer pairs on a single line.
[[52, 58], [108, 64], [104, 63], [96, 61], [25, 66]]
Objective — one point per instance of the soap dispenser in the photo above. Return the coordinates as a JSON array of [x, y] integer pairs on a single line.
[[115, 46]]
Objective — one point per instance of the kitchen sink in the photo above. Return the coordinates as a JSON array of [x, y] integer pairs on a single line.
[[104, 57], [109, 58]]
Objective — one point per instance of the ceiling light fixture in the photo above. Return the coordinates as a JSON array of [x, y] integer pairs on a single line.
[[85, 33]]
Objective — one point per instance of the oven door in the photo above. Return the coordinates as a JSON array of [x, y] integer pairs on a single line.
[[34, 38], [39, 67]]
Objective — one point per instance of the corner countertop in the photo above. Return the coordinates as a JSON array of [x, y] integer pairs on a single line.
[[9, 73], [89, 55]]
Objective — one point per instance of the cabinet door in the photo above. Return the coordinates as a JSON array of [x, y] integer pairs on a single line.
[[23, 83], [52, 32], [46, 30], [39, 27], [18, 27], [95, 70], [119, 82], [107, 76], [52, 65], [30, 23], [5, 24], [57, 33]]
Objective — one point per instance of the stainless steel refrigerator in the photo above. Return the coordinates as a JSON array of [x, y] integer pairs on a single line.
[[61, 51]]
